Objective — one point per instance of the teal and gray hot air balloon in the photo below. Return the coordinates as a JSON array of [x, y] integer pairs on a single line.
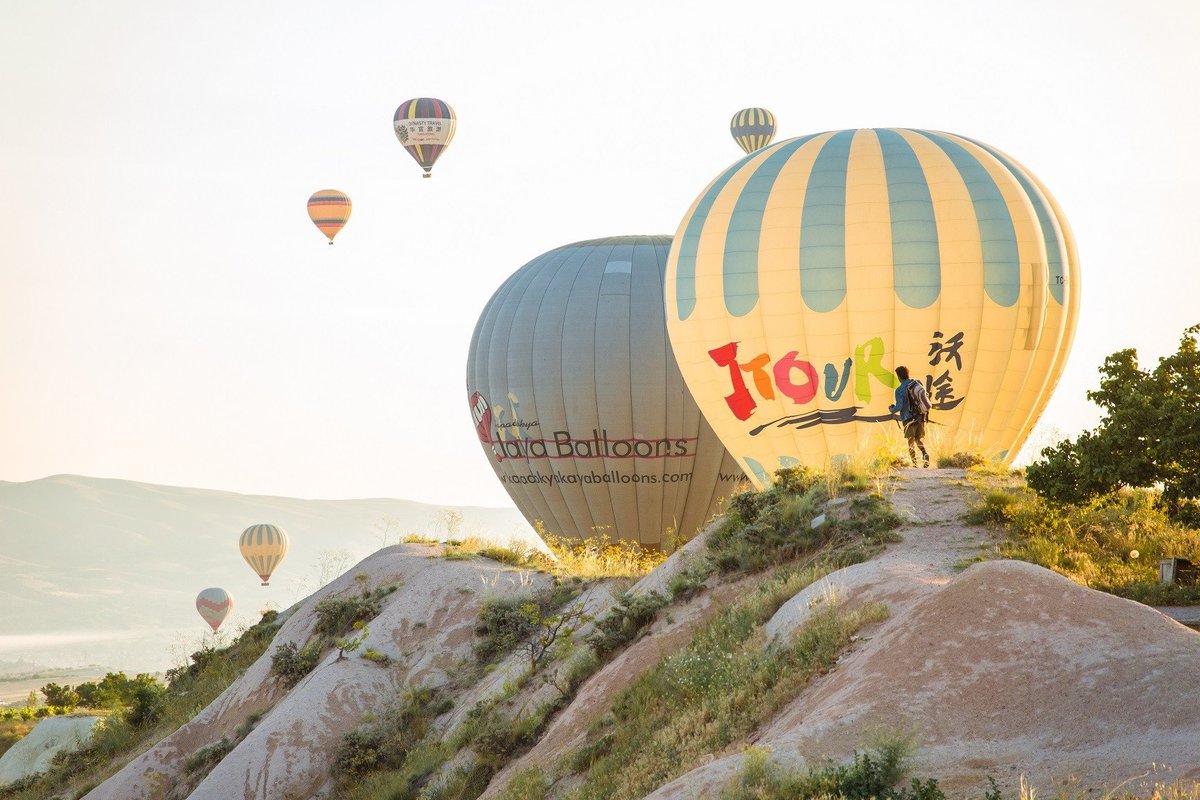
[[578, 402], [752, 128]]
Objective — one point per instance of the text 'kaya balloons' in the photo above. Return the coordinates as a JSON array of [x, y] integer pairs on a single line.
[[425, 126], [263, 547], [808, 271], [752, 128], [579, 404], [214, 605], [329, 210]]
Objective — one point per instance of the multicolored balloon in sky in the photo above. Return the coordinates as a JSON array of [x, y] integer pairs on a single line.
[[329, 210], [752, 128], [263, 547], [425, 126], [807, 272], [214, 605], [579, 405]]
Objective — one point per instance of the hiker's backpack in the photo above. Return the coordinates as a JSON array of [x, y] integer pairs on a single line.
[[918, 399]]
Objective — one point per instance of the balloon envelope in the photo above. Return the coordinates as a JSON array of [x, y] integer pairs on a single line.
[[214, 605], [263, 547], [425, 126], [807, 272], [329, 210], [752, 128], [579, 405]]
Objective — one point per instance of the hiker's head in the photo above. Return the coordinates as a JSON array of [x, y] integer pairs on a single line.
[[902, 373]]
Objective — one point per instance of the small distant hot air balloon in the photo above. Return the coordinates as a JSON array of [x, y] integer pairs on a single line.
[[214, 605], [329, 210], [263, 547], [425, 126], [752, 128]]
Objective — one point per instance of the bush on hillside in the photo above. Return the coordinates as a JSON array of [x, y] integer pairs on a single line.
[[1148, 437]]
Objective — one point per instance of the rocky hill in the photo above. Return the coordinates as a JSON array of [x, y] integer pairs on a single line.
[[1001, 669]]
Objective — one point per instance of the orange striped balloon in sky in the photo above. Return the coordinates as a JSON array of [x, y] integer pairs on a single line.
[[263, 547], [329, 209], [425, 126]]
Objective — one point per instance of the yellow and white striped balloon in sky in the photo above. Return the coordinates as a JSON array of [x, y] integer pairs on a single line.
[[263, 547], [808, 271]]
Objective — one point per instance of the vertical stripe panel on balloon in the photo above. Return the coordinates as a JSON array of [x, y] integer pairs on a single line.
[[959, 308], [1001, 282], [916, 259], [587, 410], [688, 241], [740, 264], [1024, 371], [1051, 350], [783, 318], [1071, 280], [1021, 321], [553, 333], [821, 262], [649, 364], [533, 395], [867, 321], [614, 391], [495, 389], [823, 232]]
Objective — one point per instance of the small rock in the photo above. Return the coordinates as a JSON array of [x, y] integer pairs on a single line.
[[818, 521]]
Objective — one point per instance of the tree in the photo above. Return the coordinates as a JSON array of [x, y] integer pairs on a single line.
[[1150, 435], [63, 696]]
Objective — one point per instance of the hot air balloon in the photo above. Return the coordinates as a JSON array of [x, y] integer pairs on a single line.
[[214, 605], [752, 128], [807, 272], [263, 547], [425, 126], [329, 210], [578, 403]]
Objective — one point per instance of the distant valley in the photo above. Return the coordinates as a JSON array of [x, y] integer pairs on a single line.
[[102, 571]]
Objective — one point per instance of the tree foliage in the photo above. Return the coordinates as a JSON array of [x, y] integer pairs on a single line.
[[1150, 435]]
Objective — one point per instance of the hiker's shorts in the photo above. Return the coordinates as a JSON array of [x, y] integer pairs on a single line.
[[914, 429]]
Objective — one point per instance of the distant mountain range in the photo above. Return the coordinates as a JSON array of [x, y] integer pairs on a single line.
[[106, 571]]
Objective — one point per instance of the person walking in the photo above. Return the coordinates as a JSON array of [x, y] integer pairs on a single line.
[[912, 403]]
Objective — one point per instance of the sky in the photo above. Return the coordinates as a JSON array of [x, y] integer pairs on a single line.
[[169, 314]]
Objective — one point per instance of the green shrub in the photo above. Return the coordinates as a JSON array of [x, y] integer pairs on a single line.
[[290, 663], [390, 741], [206, 758], [867, 777], [628, 618], [962, 460], [993, 508], [528, 784], [534, 622], [772, 527]]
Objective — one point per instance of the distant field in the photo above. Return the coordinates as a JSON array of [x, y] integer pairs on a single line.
[[13, 691]]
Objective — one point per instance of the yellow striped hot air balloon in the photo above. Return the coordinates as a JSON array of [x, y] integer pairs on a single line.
[[329, 210], [214, 605], [263, 547], [752, 128], [808, 271]]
